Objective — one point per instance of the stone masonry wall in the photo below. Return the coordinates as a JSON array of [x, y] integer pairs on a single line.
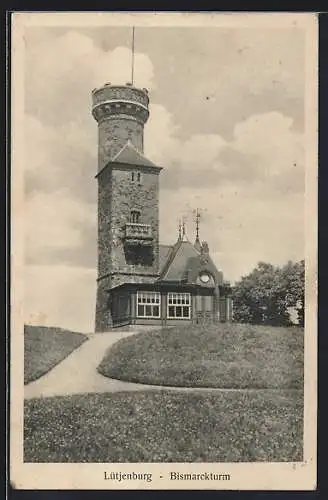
[[134, 196], [113, 134], [117, 196], [104, 218], [103, 314], [121, 112], [119, 92]]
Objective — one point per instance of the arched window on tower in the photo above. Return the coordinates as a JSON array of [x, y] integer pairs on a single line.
[[135, 216]]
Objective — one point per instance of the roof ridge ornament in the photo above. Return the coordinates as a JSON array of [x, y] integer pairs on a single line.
[[205, 248], [197, 244], [184, 233], [180, 231]]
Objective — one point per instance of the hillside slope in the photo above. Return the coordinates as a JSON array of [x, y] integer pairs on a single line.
[[45, 347]]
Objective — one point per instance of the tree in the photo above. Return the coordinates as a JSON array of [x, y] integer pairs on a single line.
[[293, 278], [268, 292]]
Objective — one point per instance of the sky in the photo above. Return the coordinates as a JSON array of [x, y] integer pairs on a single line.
[[226, 123]]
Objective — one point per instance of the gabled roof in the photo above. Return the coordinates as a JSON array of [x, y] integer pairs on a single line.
[[202, 263], [130, 155], [175, 268], [183, 262]]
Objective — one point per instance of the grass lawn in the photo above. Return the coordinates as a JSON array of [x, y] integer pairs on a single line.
[[45, 347], [165, 426], [224, 356]]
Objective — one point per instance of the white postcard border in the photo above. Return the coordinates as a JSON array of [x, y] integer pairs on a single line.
[[243, 476]]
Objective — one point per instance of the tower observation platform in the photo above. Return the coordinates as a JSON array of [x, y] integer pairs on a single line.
[[121, 112]]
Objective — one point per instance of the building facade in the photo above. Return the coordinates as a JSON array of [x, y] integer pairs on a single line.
[[141, 281]]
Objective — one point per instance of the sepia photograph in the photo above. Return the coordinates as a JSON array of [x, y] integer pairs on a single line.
[[164, 171]]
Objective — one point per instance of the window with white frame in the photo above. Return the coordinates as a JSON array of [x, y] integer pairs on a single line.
[[178, 305], [148, 304]]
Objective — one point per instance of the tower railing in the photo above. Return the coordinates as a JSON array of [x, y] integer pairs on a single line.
[[136, 230]]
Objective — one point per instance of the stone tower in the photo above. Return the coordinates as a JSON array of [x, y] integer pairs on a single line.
[[128, 195]]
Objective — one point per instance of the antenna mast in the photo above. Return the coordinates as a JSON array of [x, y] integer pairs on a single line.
[[197, 224], [132, 72]]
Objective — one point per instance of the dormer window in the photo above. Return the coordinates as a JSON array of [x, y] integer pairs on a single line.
[[135, 216]]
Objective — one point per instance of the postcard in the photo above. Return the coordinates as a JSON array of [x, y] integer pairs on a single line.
[[163, 251]]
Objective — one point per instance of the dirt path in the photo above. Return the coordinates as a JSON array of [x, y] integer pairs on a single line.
[[78, 372]]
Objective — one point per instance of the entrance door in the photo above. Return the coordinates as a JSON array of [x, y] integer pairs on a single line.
[[204, 308], [225, 309]]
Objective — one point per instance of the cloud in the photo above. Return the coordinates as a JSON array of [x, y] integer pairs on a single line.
[[60, 296], [160, 140], [265, 155], [215, 78], [243, 187], [249, 183], [270, 137], [266, 59], [57, 156], [61, 72], [241, 229], [55, 221]]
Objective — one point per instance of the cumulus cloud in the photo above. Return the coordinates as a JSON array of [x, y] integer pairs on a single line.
[[60, 164], [60, 295], [265, 155], [249, 184], [216, 78], [241, 229], [62, 71], [160, 141], [243, 186], [270, 137], [55, 221], [268, 58]]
